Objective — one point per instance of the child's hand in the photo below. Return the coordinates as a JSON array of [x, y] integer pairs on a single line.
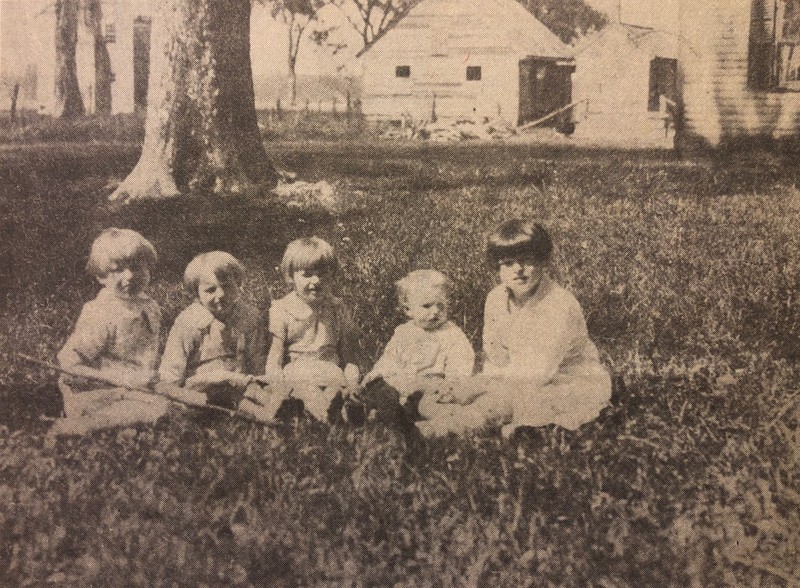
[[508, 430], [464, 390], [446, 398], [240, 381]]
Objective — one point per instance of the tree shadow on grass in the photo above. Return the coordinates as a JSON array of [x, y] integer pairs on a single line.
[[54, 207], [253, 230]]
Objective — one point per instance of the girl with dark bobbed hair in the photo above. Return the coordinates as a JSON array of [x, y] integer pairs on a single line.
[[540, 367]]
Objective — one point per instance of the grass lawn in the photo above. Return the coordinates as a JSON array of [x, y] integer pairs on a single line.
[[689, 275]]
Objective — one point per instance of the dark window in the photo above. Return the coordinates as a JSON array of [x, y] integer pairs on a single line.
[[774, 50], [111, 33], [473, 73], [402, 71]]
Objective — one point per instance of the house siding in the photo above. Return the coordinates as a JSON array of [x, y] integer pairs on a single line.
[[719, 107], [612, 76], [495, 94], [438, 40]]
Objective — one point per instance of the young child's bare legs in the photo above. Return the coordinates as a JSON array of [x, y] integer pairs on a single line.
[[319, 385], [106, 407]]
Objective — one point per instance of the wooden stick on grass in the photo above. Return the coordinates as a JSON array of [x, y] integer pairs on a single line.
[[231, 413]]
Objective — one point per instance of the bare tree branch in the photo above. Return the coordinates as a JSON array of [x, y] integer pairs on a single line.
[[371, 19]]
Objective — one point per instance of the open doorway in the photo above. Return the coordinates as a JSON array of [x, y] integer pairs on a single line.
[[663, 82], [545, 85]]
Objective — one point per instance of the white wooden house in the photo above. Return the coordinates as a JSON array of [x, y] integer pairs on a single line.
[[740, 70], [466, 58], [126, 32], [626, 80]]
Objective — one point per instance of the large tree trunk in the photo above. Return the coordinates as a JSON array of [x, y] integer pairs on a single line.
[[201, 131], [68, 103]]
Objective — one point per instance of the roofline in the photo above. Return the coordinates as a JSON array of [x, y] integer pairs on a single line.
[[607, 29], [634, 26], [380, 35]]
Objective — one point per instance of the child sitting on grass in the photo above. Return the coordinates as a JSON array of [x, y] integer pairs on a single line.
[[540, 365], [423, 351], [114, 344], [217, 345], [314, 345]]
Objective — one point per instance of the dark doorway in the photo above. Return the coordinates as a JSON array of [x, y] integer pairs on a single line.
[[141, 61], [663, 82], [545, 85]]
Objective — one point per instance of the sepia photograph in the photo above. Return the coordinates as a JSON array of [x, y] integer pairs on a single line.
[[400, 293]]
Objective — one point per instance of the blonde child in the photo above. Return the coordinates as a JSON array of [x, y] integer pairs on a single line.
[[426, 349], [217, 345], [115, 340], [314, 344], [540, 365]]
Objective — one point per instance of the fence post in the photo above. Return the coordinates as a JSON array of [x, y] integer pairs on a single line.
[[14, 97]]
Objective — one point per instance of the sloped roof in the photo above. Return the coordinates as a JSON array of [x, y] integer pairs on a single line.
[[653, 41], [495, 22]]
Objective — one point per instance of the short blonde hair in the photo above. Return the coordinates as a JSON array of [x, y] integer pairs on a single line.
[[308, 253], [423, 278], [115, 246], [224, 266]]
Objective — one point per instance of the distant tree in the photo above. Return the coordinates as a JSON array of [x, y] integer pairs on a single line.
[[301, 18], [68, 99], [102, 60], [566, 18], [372, 18], [201, 131]]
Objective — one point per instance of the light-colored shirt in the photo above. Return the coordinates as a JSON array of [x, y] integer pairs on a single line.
[[544, 341], [114, 333], [324, 333], [199, 342], [413, 351]]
